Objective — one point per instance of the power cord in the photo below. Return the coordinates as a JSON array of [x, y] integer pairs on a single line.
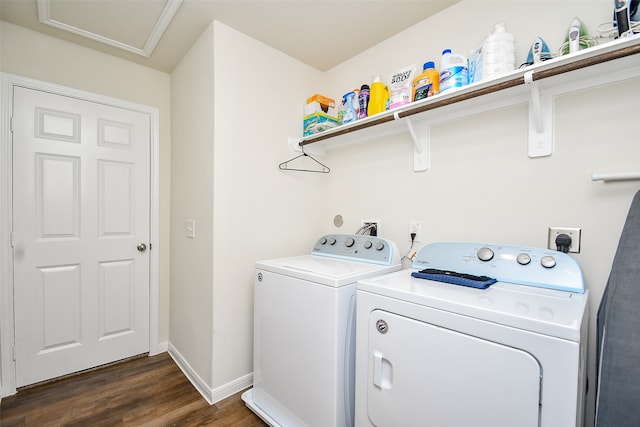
[[585, 43], [610, 28], [410, 258]]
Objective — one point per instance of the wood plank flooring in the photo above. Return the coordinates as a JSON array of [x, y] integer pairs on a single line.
[[147, 391]]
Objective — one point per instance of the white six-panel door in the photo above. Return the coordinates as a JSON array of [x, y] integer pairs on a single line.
[[80, 234]]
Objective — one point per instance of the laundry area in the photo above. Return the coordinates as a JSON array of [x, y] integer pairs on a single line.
[[501, 166], [426, 350]]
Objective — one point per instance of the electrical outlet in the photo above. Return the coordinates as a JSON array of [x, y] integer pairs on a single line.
[[574, 233], [375, 231], [415, 227]]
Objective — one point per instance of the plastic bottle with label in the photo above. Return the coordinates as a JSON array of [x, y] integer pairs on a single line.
[[363, 101], [498, 53], [427, 83], [379, 95], [453, 71], [349, 113]]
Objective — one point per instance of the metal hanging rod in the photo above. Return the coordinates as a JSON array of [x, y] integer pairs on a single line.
[[624, 176]]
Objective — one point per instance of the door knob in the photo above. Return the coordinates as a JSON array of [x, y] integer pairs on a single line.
[[142, 247]]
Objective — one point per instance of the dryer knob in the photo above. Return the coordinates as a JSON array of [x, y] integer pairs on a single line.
[[485, 254], [323, 241], [379, 246], [349, 242], [523, 259], [332, 241], [368, 244], [548, 261]]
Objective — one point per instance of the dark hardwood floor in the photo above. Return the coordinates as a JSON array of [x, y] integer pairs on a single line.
[[147, 391]]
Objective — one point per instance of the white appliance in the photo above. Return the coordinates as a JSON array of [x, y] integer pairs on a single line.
[[431, 353], [304, 330]]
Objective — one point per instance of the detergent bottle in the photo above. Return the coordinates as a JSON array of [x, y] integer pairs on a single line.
[[427, 83], [349, 113], [363, 101], [378, 97], [454, 71], [498, 53]]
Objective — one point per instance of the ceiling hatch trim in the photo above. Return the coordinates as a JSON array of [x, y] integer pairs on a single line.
[[169, 10]]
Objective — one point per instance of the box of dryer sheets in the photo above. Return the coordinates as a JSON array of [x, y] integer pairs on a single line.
[[318, 122], [320, 104]]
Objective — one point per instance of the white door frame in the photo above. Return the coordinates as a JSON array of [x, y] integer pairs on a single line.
[[7, 327]]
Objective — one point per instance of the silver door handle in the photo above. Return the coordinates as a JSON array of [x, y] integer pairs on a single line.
[[142, 247]]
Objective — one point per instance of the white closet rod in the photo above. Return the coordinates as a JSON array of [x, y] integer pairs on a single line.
[[628, 176]]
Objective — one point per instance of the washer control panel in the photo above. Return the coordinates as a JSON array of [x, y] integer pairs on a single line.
[[371, 249], [523, 265]]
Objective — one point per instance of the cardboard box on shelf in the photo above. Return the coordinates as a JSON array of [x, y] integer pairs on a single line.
[[320, 104]]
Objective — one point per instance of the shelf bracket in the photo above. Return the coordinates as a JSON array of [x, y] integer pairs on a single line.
[[421, 136], [540, 120]]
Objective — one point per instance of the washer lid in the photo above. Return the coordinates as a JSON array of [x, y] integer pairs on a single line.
[[324, 270], [545, 311]]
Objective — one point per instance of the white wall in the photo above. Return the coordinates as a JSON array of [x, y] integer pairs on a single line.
[[34, 55], [191, 330], [259, 211], [235, 101], [482, 186]]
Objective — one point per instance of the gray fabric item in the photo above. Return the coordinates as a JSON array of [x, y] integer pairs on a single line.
[[619, 318]]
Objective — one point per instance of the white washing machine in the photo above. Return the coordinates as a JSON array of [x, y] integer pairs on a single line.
[[304, 330], [432, 353]]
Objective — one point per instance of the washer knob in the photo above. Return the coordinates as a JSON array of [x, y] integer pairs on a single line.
[[523, 259], [332, 241], [323, 241], [485, 254], [368, 244], [379, 246], [349, 242], [548, 261]]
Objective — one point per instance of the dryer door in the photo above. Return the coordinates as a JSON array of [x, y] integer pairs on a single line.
[[422, 374]]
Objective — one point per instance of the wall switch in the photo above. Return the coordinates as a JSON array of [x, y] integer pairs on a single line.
[[191, 228], [415, 227], [574, 233]]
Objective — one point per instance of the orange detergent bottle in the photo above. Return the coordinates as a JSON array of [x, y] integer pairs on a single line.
[[426, 84], [378, 97]]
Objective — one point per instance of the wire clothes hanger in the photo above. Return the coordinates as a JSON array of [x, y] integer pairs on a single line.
[[285, 165]]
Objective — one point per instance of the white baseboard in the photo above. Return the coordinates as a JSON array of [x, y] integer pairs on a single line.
[[163, 347], [211, 395]]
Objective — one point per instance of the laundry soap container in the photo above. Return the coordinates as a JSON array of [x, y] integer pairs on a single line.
[[498, 53], [349, 109], [378, 96], [427, 83], [453, 71]]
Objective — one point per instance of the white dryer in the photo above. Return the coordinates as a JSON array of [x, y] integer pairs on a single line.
[[432, 353], [304, 330]]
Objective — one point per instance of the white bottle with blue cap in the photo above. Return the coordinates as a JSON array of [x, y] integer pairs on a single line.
[[454, 71]]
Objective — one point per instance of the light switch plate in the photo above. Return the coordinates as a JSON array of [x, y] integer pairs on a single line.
[[191, 228]]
